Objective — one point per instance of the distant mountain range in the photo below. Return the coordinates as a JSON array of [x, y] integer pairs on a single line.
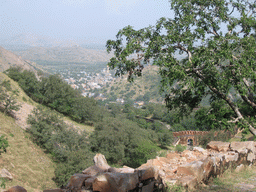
[[74, 54], [36, 48]]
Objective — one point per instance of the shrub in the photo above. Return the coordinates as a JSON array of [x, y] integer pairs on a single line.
[[3, 144], [179, 148]]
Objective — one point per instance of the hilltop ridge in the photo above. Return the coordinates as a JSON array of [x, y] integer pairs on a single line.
[[9, 59]]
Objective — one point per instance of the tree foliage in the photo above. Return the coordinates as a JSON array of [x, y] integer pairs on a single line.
[[68, 147], [216, 40], [52, 91], [120, 140], [8, 97]]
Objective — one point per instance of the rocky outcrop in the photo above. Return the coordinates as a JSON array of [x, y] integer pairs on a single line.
[[189, 169]]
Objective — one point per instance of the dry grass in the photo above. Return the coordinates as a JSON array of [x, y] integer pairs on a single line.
[[28, 164], [232, 181]]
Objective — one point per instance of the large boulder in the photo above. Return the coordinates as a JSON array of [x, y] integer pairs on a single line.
[[77, 181], [119, 182], [195, 168], [218, 146]]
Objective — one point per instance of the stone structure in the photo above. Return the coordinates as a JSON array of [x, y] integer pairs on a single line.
[[189, 169], [184, 136]]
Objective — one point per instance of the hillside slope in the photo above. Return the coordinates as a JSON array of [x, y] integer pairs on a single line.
[[9, 59], [145, 88], [28, 164]]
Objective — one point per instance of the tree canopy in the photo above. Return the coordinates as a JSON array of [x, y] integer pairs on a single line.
[[208, 49]]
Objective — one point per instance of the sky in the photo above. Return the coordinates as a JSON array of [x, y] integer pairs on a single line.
[[91, 21]]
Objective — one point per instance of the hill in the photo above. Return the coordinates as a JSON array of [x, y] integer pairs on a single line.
[[74, 53], [145, 88], [28, 164], [9, 59]]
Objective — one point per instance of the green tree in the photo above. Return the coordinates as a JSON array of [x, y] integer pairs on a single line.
[[8, 97], [120, 140], [216, 41]]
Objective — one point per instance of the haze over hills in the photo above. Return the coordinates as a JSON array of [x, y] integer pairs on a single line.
[[74, 53], [9, 59]]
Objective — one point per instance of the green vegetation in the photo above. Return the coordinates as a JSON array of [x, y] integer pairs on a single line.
[[3, 144], [8, 97], [123, 142], [52, 91], [146, 88], [179, 148], [217, 42], [68, 147]]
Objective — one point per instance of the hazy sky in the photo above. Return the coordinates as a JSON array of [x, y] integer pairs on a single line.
[[91, 20]]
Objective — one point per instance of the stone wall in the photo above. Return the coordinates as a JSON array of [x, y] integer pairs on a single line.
[[189, 169]]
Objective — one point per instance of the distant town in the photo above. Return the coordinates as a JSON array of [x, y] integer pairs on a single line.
[[88, 81]]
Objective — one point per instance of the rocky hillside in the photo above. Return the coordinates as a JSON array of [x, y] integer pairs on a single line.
[[9, 59]]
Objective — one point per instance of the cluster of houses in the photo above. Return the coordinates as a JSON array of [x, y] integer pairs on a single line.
[[87, 82]]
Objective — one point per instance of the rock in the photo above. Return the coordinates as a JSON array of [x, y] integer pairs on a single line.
[[6, 174], [251, 157], [242, 147], [231, 157], [17, 189], [77, 181], [194, 168], [149, 187], [189, 182], [101, 184], [100, 161], [218, 146], [100, 166], [200, 149], [239, 168], [147, 172], [125, 169], [208, 167], [88, 182], [93, 170], [111, 182]]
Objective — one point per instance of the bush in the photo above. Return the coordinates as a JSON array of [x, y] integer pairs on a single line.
[[3, 144], [76, 162], [123, 142], [179, 148], [68, 147], [8, 97]]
